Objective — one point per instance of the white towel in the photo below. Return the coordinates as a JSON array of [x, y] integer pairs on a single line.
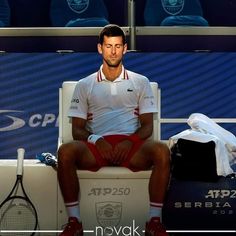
[[223, 167], [204, 124], [203, 129]]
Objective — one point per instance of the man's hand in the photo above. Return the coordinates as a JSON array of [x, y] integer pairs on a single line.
[[121, 151], [117, 155], [105, 149]]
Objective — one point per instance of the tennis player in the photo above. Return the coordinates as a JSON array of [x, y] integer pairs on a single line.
[[112, 119]]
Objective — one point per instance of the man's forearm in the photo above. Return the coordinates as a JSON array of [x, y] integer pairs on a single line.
[[144, 132], [80, 134]]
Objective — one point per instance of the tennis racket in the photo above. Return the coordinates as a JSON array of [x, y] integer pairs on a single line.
[[17, 213]]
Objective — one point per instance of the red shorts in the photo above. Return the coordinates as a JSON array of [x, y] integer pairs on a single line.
[[113, 140]]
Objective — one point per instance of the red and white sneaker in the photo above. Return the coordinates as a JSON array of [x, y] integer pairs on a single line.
[[155, 228], [73, 228]]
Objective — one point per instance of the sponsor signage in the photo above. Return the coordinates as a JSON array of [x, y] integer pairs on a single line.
[[201, 205], [30, 83]]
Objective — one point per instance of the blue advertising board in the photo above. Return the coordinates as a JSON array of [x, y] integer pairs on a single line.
[[189, 82]]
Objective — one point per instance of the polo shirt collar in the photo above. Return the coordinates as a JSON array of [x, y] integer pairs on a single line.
[[123, 75]]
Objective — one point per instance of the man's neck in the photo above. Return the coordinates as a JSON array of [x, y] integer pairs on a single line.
[[111, 73]]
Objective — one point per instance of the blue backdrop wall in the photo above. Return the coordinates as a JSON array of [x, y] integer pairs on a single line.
[[190, 82]]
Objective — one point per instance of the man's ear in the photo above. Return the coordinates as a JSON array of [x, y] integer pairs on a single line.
[[99, 47], [125, 48]]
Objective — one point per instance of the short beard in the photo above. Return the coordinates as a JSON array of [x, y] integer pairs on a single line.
[[112, 65]]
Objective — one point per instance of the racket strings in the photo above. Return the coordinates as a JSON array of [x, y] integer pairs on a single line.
[[17, 216]]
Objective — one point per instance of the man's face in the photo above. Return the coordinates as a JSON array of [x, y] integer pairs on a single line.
[[112, 50]]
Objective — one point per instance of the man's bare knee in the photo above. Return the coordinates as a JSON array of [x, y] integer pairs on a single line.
[[161, 153], [69, 151]]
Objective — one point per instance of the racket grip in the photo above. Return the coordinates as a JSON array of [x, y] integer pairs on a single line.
[[20, 159]]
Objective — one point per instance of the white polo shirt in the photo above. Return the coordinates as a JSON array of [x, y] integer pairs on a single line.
[[112, 107]]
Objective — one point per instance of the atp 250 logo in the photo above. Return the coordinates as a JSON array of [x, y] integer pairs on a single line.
[[15, 119]]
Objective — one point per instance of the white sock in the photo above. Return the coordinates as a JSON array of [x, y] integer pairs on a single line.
[[155, 210], [73, 209]]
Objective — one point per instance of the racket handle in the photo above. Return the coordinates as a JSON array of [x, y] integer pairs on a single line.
[[20, 159]]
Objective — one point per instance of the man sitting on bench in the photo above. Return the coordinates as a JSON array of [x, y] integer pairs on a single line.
[[112, 119]]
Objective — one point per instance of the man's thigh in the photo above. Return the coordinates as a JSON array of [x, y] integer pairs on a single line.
[[84, 157], [141, 160]]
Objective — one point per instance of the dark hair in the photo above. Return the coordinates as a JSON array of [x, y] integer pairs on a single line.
[[112, 30]]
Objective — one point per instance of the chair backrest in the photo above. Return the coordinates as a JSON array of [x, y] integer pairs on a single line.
[[173, 12], [4, 13], [78, 13], [65, 95]]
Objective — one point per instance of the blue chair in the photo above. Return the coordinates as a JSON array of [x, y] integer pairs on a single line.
[[78, 13], [174, 13], [4, 13]]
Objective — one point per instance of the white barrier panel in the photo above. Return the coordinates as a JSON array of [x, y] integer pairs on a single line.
[[112, 199], [40, 183]]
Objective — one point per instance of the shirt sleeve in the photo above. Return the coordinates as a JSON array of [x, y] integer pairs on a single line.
[[147, 101], [79, 106]]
